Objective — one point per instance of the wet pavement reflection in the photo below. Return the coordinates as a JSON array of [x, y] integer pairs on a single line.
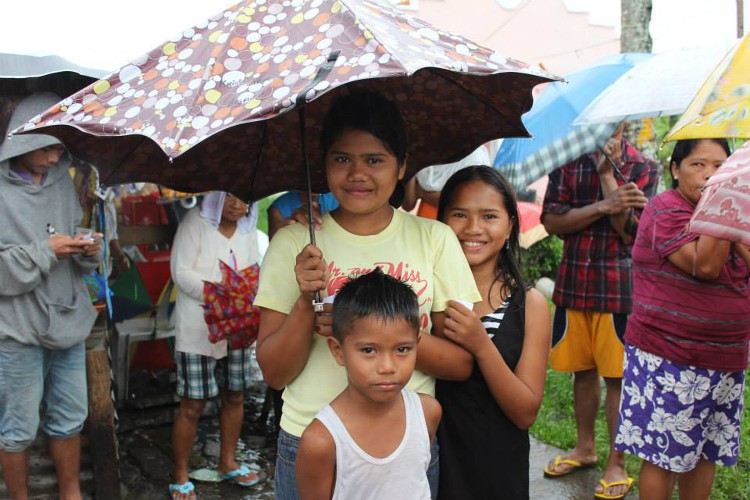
[[144, 434]]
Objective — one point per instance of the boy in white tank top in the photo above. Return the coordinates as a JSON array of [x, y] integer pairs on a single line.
[[373, 440]]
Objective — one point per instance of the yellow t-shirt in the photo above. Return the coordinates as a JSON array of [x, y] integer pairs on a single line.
[[423, 252]]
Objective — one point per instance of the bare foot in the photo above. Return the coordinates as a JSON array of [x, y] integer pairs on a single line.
[[186, 493], [242, 474], [614, 483], [559, 467]]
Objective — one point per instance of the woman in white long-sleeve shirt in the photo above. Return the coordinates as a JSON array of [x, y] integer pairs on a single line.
[[222, 229]]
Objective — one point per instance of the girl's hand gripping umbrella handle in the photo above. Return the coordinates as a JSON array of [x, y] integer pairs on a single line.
[[300, 104]]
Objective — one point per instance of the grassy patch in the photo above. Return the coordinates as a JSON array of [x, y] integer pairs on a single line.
[[733, 483], [556, 426]]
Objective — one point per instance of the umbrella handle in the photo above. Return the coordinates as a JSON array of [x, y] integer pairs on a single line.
[[615, 168], [300, 104]]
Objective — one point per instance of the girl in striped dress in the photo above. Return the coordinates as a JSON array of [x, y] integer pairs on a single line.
[[484, 442]]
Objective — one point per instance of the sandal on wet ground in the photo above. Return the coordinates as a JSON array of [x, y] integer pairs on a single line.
[[574, 465], [186, 488], [236, 476], [605, 485]]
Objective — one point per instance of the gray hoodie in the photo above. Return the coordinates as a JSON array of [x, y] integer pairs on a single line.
[[43, 301]]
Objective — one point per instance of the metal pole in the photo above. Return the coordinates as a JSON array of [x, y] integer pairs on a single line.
[[300, 104]]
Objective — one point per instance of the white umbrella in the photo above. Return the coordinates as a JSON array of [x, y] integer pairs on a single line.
[[662, 85]]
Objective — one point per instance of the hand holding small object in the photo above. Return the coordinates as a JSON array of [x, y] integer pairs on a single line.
[[311, 271], [464, 327], [324, 318], [64, 245], [624, 198]]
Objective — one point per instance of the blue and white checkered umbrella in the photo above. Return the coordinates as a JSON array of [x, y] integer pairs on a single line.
[[555, 141]]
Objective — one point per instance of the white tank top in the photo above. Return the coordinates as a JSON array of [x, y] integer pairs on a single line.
[[400, 475]]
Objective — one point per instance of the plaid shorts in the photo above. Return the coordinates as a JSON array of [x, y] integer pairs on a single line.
[[200, 377]]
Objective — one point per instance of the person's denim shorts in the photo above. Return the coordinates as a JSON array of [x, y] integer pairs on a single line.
[[286, 481], [31, 376]]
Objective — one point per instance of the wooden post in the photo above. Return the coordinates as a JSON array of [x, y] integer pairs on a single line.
[[100, 424], [740, 18]]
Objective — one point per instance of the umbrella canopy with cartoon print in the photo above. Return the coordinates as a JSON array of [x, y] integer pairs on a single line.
[[209, 109]]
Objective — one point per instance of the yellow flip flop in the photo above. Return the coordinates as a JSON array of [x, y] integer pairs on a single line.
[[551, 472], [605, 485]]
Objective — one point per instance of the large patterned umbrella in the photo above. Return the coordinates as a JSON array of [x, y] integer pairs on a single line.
[[209, 109]]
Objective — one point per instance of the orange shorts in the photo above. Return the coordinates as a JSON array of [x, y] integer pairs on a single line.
[[588, 340]]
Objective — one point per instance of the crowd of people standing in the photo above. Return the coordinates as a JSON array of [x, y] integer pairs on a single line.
[[425, 366]]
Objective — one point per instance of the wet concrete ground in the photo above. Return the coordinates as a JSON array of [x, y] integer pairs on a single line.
[[146, 451], [145, 437]]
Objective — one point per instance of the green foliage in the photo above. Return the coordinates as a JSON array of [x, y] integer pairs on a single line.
[[542, 259], [732, 482], [263, 205], [555, 425], [662, 125]]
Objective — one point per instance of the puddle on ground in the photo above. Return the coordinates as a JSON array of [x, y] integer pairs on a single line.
[[144, 434]]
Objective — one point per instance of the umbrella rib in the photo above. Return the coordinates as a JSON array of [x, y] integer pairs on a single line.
[[122, 161], [258, 158], [484, 102], [373, 32]]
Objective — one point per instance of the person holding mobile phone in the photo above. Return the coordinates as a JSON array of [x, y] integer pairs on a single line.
[[45, 309]]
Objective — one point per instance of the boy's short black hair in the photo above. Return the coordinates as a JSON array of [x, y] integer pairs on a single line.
[[374, 294]]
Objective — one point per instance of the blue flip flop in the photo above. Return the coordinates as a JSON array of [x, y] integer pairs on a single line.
[[186, 488], [236, 474]]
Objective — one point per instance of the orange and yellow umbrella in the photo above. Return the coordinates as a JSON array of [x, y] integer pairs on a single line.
[[721, 108]]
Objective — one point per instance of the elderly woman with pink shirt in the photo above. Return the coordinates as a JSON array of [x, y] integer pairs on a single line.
[[687, 338]]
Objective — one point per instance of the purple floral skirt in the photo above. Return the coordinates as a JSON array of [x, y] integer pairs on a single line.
[[674, 415]]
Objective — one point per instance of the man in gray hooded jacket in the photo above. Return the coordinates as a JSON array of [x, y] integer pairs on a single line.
[[45, 309]]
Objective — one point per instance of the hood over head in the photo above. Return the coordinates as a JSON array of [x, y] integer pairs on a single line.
[[27, 109]]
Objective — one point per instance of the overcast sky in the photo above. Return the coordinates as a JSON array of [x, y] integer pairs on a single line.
[[107, 33]]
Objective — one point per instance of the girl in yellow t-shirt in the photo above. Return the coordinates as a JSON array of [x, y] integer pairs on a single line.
[[364, 144]]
